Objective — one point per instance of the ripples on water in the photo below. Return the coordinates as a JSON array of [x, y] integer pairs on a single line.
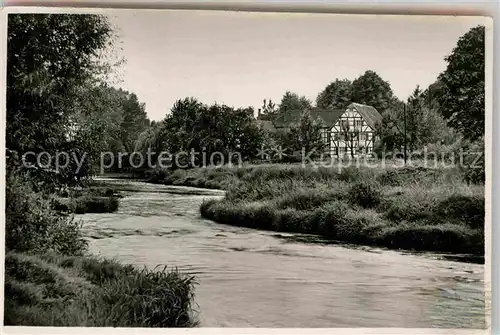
[[250, 278]]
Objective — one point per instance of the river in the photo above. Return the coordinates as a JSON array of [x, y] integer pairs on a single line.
[[251, 278]]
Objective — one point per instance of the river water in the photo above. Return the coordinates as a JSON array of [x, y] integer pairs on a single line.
[[251, 278]]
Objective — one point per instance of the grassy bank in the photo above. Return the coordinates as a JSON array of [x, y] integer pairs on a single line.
[[50, 280], [93, 199], [400, 208], [86, 204], [55, 290]]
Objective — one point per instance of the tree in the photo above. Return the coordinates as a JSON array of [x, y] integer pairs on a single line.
[[135, 119], [292, 101], [208, 130], [51, 60], [431, 95], [461, 100], [306, 135], [414, 118], [181, 125], [336, 95], [390, 131], [371, 89], [423, 125], [268, 111]]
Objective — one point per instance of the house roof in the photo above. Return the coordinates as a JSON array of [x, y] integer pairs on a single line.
[[369, 113], [327, 116], [266, 125]]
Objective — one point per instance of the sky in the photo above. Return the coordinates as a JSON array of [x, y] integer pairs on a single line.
[[240, 58]]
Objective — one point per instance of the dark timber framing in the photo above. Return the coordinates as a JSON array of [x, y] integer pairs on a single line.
[[345, 132]]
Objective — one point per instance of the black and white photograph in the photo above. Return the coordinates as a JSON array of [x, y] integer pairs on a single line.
[[233, 169]]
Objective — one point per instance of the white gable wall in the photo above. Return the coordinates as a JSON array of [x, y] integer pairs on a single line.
[[341, 143]]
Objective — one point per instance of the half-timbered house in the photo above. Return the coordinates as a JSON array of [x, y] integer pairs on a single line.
[[353, 133], [349, 131]]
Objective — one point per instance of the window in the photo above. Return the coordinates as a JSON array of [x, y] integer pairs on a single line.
[[362, 136], [345, 124], [359, 123]]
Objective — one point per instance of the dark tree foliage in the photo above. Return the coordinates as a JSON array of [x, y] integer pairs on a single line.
[[51, 58], [207, 130], [268, 111], [292, 101], [371, 89], [306, 135], [337, 95], [135, 119], [462, 85]]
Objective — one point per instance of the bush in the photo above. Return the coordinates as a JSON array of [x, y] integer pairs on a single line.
[[99, 191], [292, 220], [84, 205], [411, 205], [365, 194], [32, 225], [421, 236], [467, 209], [329, 218], [473, 168]]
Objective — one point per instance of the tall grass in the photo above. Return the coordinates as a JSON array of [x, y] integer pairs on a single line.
[[406, 208], [50, 280], [54, 290]]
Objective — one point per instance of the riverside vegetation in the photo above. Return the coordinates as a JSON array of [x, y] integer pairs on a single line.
[[51, 280], [58, 101], [411, 208]]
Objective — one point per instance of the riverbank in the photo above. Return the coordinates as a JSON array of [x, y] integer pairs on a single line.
[[55, 290], [52, 280], [256, 278], [420, 209]]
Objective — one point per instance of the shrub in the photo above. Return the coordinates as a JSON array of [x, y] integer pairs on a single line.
[[99, 191], [84, 205], [411, 175], [364, 226], [467, 209], [422, 236], [32, 225], [365, 194], [206, 208], [411, 205], [473, 168], [350, 174], [292, 220], [329, 217]]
